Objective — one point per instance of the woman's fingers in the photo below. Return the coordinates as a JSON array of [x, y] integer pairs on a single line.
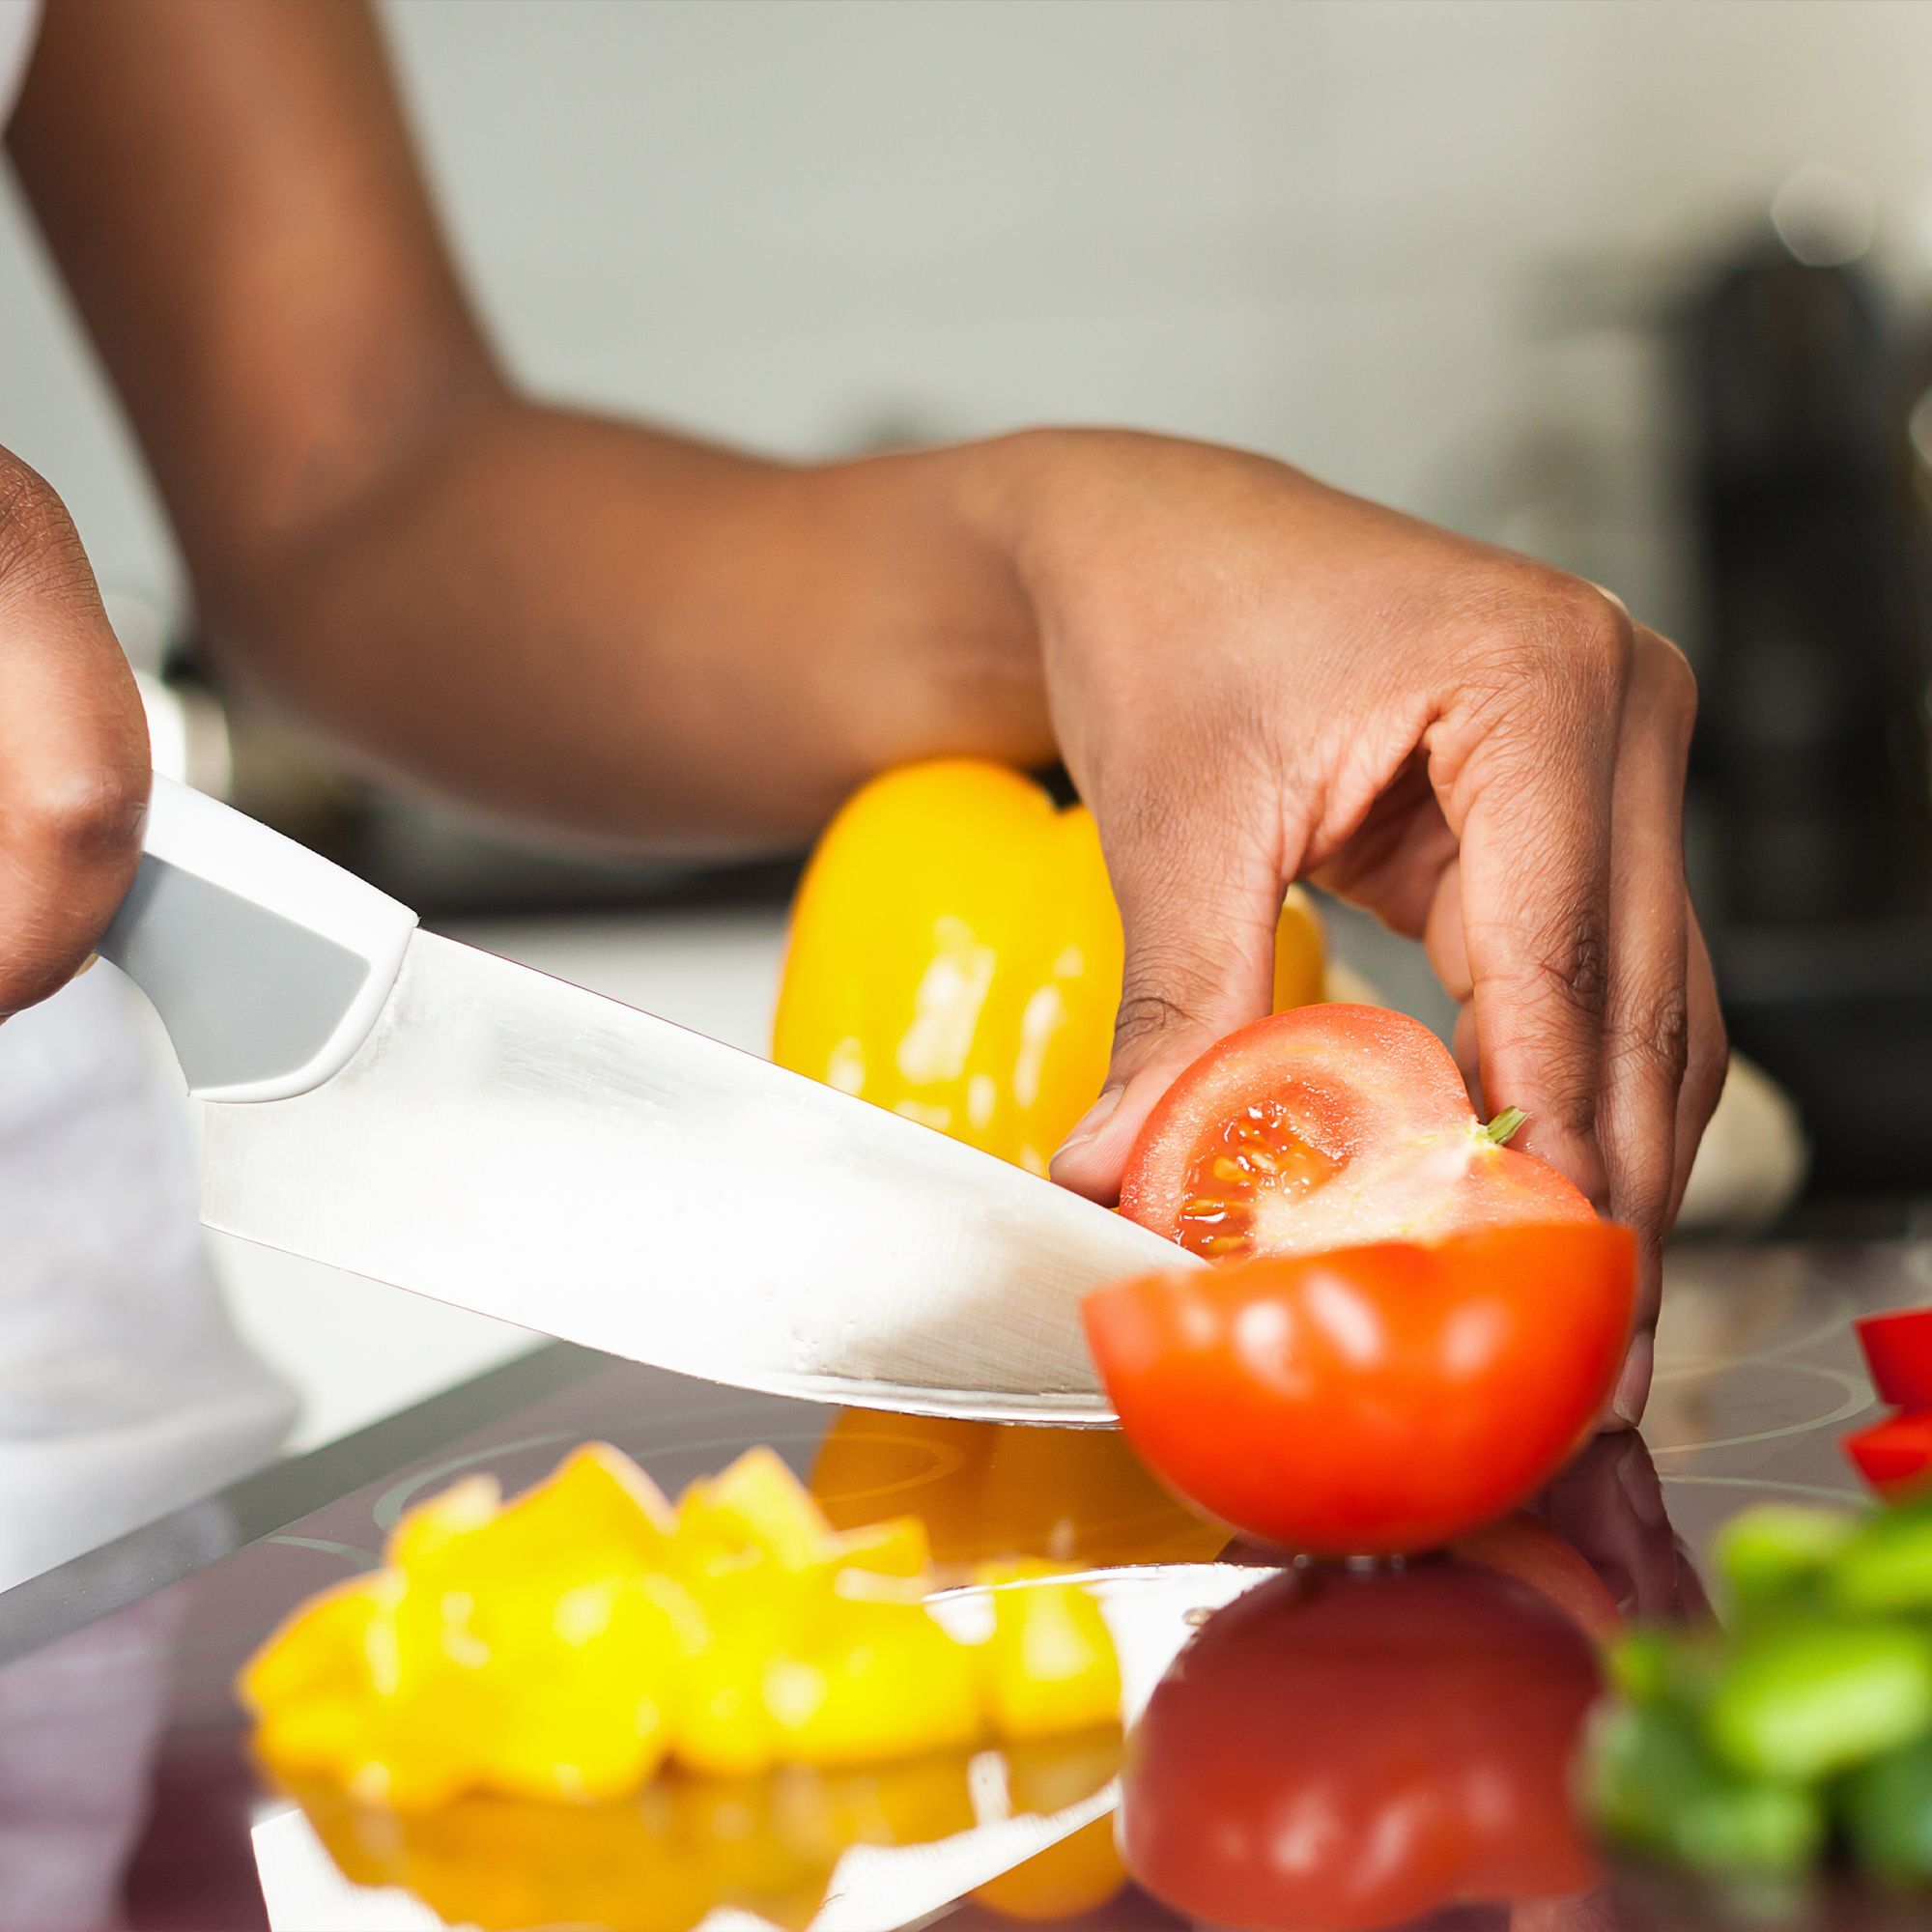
[[1198, 874], [1353, 668], [1646, 1021], [1707, 1061], [1572, 941], [1525, 770]]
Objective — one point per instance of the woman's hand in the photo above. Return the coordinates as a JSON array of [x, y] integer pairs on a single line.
[[1254, 678], [74, 747]]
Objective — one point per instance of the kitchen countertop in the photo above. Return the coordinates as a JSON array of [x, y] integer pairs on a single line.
[[125, 1786]]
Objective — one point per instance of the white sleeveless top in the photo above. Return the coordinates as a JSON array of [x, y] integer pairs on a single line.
[[17, 37], [123, 1389]]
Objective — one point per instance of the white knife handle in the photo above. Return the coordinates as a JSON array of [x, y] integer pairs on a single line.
[[267, 964]]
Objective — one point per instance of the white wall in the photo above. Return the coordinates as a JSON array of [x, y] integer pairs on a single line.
[[1342, 230]]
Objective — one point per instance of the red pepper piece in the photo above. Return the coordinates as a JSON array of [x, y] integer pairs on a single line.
[[1898, 1351], [1894, 1456]]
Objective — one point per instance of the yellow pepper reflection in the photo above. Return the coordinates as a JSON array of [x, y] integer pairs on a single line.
[[985, 1490], [661, 1861]]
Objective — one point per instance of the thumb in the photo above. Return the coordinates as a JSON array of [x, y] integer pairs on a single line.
[[1199, 961], [74, 747]]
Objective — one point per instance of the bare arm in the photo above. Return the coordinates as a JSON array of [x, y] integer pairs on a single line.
[[588, 623]]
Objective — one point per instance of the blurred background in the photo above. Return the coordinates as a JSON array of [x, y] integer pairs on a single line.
[[1639, 287]]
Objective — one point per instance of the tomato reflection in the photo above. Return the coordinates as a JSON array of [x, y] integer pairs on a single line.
[[1609, 1506], [1339, 1751], [987, 1489], [1525, 1546]]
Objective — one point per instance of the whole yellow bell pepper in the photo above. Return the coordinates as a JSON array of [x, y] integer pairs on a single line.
[[955, 957]]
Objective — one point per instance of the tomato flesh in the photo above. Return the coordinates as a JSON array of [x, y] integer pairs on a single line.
[[1324, 1127], [1252, 1166], [1375, 1400]]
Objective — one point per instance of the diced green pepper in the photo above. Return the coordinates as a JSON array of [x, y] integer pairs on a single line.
[[1802, 1700], [1656, 1789], [1640, 1664], [1888, 1813], [1776, 1550], [1644, 1762], [1667, 1667], [1887, 1567], [1751, 1828]]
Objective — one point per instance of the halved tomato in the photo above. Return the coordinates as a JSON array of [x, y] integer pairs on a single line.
[[1325, 1127], [1375, 1400]]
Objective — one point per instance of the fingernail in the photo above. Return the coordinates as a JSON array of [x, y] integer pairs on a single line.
[[1633, 1384], [1618, 1582], [1638, 1482], [1092, 1121]]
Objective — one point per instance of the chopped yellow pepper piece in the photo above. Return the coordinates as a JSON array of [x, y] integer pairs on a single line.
[[320, 1650], [760, 1503], [955, 957], [899, 1547], [449, 1514], [724, 1726], [566, 1643], [1050, 1663], [884, 1681]]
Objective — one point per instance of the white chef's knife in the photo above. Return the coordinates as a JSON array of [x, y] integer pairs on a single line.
[[429, 1115]]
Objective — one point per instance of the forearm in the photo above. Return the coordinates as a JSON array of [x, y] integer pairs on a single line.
[[628, 634], [602, 628]]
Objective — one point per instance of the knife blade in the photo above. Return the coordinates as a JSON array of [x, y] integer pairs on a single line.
[[412, 1109]]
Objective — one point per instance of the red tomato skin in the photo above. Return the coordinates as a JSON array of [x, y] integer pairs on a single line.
[[1335, 1752], [1898, 1351], [1894, 1456], [1377, 1095], [1378, 1400]]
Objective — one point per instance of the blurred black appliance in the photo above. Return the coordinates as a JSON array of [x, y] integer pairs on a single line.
[[1812, 755]]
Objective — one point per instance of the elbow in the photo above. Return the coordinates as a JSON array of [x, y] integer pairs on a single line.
[[291, 530]]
